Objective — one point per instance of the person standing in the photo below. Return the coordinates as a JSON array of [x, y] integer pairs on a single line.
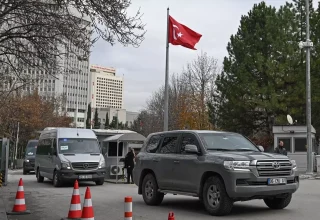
[[129, 164], [281, 149]]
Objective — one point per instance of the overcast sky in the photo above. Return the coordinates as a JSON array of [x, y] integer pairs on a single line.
[[144, 67]]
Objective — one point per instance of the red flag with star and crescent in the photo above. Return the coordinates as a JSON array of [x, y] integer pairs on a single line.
[[179, 34]]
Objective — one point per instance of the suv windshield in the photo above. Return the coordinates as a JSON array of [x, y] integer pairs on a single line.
[[31, 148], [227, 142], [78, 146]]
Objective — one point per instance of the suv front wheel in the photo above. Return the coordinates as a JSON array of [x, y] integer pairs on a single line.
[[215, 198], [278, 203], [150, 193]]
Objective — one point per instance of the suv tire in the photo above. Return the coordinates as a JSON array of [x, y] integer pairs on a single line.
[[25, 172], [278, 203], [39, 177], [150, 193], [215, 197]]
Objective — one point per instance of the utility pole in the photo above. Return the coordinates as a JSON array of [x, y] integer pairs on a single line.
[[307, 46], [16, 150]]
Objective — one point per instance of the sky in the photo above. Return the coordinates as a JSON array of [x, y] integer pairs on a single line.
[[143, 68]]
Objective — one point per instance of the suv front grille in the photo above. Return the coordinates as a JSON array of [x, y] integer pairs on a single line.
[[274, 167], [85, 166]]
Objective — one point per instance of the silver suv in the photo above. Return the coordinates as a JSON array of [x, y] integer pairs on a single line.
[[218, 167]]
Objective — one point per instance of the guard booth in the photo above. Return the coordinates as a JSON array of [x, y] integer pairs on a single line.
[[4, 161], [294, 138]]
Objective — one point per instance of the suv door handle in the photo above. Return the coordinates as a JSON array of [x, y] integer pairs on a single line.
[[176, 161], [155, 160]]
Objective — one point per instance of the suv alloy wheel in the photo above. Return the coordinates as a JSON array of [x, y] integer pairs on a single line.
[[215, 198], [150, 193]]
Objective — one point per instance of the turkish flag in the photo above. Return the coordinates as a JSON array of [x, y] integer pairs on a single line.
[[180, 34]]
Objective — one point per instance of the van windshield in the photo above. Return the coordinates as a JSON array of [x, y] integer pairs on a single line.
[[31, 148], [78, 146]]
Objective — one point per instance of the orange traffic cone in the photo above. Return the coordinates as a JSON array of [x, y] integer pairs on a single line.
[[171, 216], [75, 205], [19, 207], [87, 211]]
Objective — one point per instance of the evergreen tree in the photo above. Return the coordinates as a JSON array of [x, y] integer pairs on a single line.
[[257, 77], [88, 121], [96, 119], [107, 125]]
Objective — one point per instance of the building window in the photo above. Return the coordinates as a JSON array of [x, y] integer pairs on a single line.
[[300, 144], [112, 149]]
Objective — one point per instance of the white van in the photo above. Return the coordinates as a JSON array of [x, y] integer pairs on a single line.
[[69, 154]]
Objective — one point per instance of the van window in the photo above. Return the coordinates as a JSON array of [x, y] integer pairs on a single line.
[[44, 147], [78, 146]]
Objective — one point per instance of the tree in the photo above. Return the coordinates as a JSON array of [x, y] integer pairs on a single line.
[[33, 114], [107, 124], [96, 120], [88, 120], [37, 34], [259, 78]]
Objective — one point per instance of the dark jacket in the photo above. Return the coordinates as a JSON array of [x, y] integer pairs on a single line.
[[129, 163], [281, 150]]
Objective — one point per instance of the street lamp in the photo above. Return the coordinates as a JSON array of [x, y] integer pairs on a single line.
[[307, 46]]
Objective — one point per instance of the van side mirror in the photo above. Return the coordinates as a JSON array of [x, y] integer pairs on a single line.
[[261, 148], [191, 149]]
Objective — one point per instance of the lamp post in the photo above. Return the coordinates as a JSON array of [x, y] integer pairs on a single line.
[[307, 46]]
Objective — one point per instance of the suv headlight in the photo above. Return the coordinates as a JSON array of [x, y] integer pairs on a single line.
[[294, 165], [26, 160], [65, 165], [102, 163], [236, 165]]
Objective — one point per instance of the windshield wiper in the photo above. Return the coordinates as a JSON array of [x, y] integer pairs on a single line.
[[220, 149], [244, 149]]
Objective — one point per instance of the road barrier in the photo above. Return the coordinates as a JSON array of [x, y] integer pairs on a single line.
[[171, 216], [128, 208], [19, 207], [75, 211], [87, 211]]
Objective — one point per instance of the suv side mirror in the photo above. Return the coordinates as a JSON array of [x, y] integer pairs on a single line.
[[191, 149], [261, 148]]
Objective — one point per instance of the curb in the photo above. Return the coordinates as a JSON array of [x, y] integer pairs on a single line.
[[310, 177]]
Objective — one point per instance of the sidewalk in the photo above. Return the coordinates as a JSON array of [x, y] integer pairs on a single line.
[[3, 214]]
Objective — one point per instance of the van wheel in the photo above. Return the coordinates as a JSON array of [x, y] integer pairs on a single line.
[[100, 182], [56, 181], [215, 197], [278, 203], [150, 193], [39, 177]]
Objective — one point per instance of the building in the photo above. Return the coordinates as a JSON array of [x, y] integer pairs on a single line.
[[131, 117], [69, 83], [106, 89]]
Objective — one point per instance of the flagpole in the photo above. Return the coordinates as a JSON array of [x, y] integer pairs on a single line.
[[166, 85]]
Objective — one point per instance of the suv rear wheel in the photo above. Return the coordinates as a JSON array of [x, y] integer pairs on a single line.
[[150, 193], [215, 198], [278, 203]]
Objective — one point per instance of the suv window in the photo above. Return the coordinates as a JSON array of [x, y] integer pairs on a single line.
[[169, 145], [153, 144], [188, 139]]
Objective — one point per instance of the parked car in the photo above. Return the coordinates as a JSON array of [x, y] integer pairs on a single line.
[[218, 167], [29, 156], [69, 154]]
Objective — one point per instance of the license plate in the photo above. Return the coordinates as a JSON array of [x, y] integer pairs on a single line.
[[84, 177], [277, 181]]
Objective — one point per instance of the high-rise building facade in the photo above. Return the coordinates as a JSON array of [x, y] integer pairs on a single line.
[[105, 88]]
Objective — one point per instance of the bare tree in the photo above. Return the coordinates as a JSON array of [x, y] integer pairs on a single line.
[[37, 34], [200, 75]]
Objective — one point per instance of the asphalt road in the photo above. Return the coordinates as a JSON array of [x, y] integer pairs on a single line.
[[48, 203]]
